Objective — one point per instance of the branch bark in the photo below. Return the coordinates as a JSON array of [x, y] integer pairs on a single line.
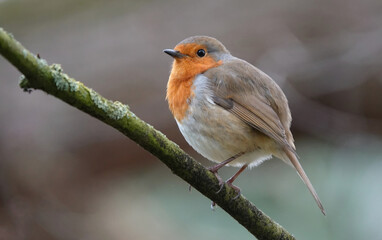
[[52, 80]]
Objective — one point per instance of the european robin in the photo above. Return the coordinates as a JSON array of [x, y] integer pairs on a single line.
[[228, 110]]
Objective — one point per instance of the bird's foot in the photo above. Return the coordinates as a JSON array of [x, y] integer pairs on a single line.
[[229, 182], [236, 188], [214, 170]]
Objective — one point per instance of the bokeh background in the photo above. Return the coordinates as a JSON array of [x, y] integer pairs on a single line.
[[65, 175]]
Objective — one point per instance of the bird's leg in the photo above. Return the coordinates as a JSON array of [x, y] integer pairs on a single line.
[[215, 169], [231, 179]]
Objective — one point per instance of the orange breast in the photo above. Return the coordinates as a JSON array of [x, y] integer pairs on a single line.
[[179, 87]]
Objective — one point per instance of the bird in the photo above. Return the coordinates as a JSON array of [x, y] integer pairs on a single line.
[[228, 110]]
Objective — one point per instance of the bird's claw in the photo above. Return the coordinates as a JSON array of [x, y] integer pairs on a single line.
[[236, 188], [221, 184], [215, 172], [229, 183]]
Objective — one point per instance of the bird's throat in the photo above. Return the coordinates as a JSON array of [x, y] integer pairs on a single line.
[[180, 85], [178, 92]]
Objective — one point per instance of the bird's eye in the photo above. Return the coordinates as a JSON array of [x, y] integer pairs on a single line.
[[201, 53]]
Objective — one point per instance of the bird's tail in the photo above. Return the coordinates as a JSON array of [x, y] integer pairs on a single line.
[[293, 158]]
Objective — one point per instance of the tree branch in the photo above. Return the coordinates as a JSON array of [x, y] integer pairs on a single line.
[[51, 79]]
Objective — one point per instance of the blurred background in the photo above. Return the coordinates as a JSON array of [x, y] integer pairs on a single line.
[[65, 175]]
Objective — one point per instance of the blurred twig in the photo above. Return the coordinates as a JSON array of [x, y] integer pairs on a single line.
[[39, 75]]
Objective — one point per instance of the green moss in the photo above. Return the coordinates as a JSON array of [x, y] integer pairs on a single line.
[[100, 102], [56, 67], [25, 53], [8, 33], [132, 114], [21, 79], [24, 84], [74, 85], [114, 110], [42, 62], [117, 110], [58, 77], [63, 81]]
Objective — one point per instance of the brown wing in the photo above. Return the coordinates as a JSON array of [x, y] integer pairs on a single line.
[[252, 96], [260, 117]]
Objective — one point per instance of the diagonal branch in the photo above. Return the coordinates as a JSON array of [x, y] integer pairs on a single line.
[[51, 79]]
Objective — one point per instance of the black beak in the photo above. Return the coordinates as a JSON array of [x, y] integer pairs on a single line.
[[173, 53]]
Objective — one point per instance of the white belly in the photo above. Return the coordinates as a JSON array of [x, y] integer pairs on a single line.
[[217, 140]]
